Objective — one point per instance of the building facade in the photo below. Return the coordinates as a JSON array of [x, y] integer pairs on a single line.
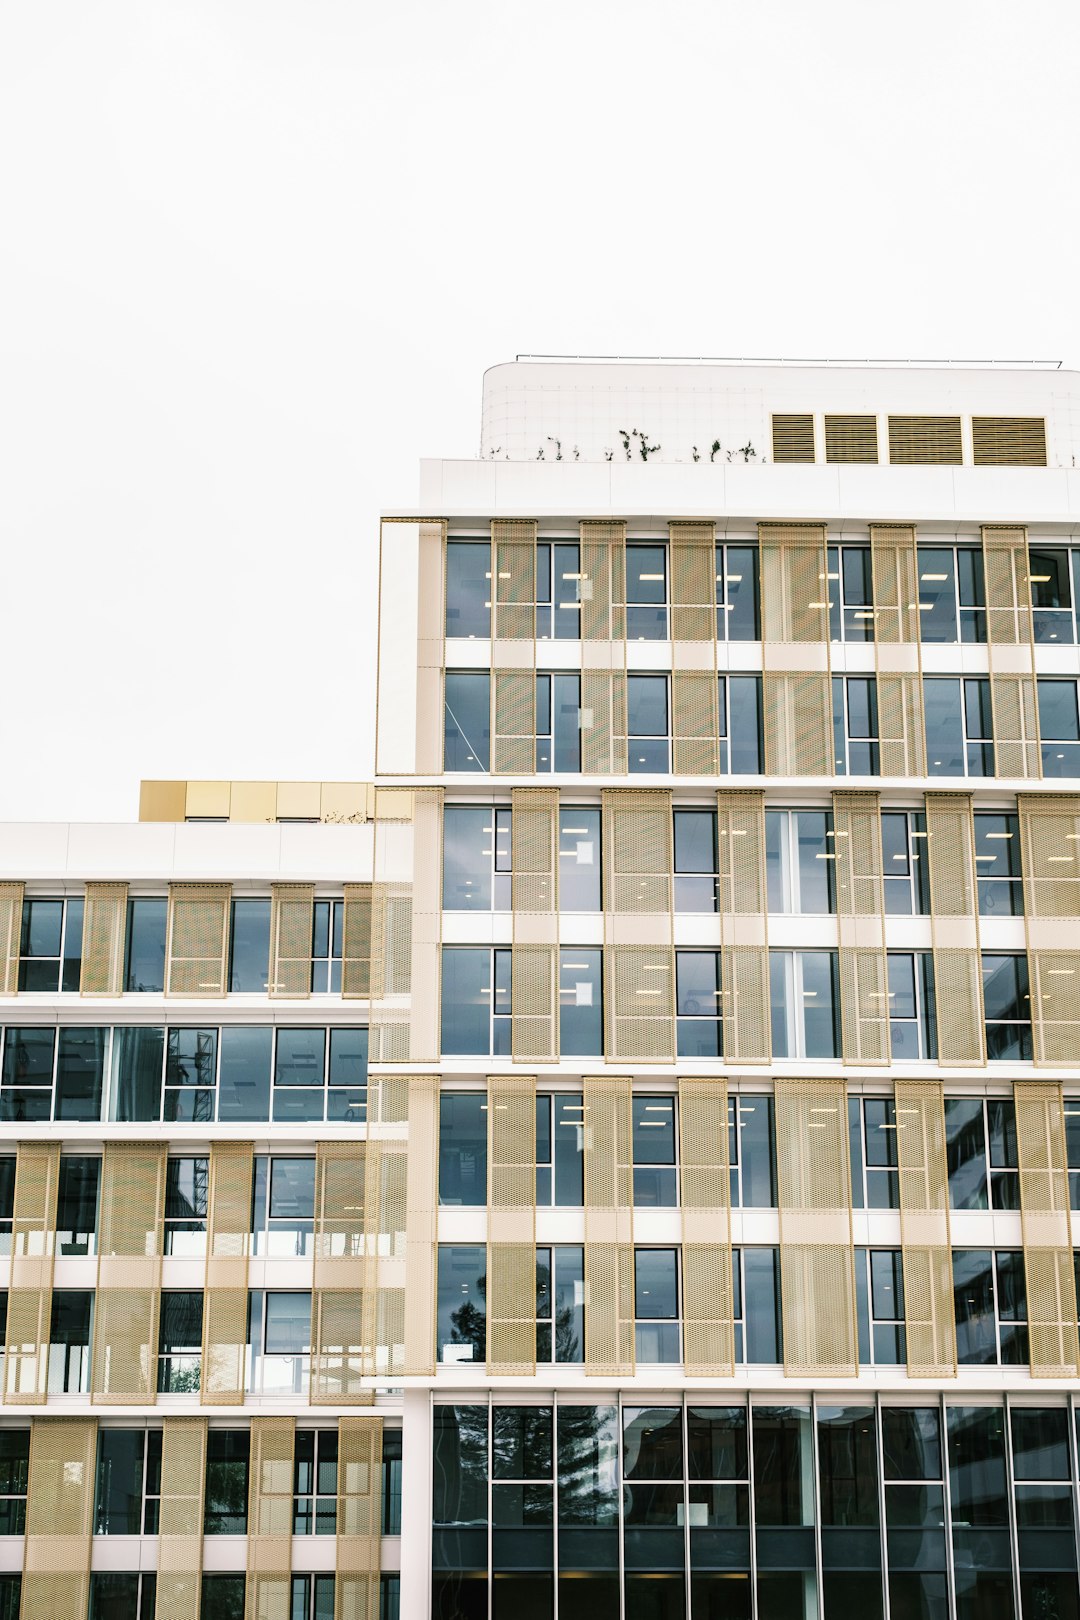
[[728, 787]]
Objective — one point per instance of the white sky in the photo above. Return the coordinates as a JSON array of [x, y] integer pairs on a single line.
[[255, 255]]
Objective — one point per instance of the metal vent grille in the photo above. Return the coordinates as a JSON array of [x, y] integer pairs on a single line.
[[128, 1299], [197, 953], [511, 1287], [59, 1517], [104, 931], [359, 1519], [37, 1175], [270, 1516], [1009, 441], [851, 438], [225, 1299], [513, 552], [925, 440], [708, 1319], [292, 910], [793, 438], [1047, 1230], [609, 1251], [924, 1229]]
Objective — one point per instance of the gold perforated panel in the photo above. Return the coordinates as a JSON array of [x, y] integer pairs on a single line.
[[513, 750], [225, 1301], [11, 903], [603, 581], [1055, 1005], [420, 1216], [901, 728], [924, 1229], [104, 932], [894, 564], [1014, 704], [534, 994], [708, 1324], [337, 1301], [609, 1218], [864, 991], [391, 939], [603, 722], [817, 1260], [513, 551], [693, 582], [59, 1518], [292, 907], [639, 1003], [637, 863], [359, 1519], [798, 724], [925, 440], [356, 941], [1050, 862], [851, 438], [1008, 592], [741, 898], [511, 1275], [794, 582], [180, 1544], [535, 880], [270, 1517], [1009, 441], [793, 437], [128, 1299], [197, 951], [1047, 1229], [950, 851], [694, 722], [37, 1174]]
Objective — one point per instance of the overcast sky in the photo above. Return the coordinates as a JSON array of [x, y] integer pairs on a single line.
[[255, 256]]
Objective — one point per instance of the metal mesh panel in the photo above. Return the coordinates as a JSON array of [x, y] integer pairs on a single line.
[[104, 931], [270, 1518], [420, 1224], [864, 991], [1055, 1005], [534, 989], [359, 1519], [694, 722], [59, 1518], [225, 1300], [391, 939], [513, 751], [637, 864], [37, 1174], [339, 1278], [740, 826], [11, 903], [1016, 725], [817, 1261], [535, 880], [901, 727], [1050, 851], [385, 1240], [798, 724], [292, 908], [128, 1299], [1009, 441], [793, 437], [851, 438], [511, 1284], [693, 582], [708, 1322], [794, 582], [857, 847], [197, 954], [925, 440], [356, 941], [924, 1229], [745, 1002], [603, 581], [864, 1005], [639, 1003], [180, 1543], [603, 722], [609, 1253], [741, 898], [1008, 593], [894, 563], [513, 550], [950, 851], [1048, 1252]]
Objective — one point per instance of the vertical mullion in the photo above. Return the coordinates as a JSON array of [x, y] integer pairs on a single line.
[[1014, 1542], [818, 1561], [946, 1486], [880, 1471], [619, 1476], [750, 1487], [490, 1437], [686, 1503]]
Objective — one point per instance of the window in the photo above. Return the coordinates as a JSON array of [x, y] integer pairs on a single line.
[[952, 598], [851, 594], [737, 613], [581, 1001], [980, 1145], [907, 873], [648, 732], [646, 593], [699, 1027], [225, 1507], [180, 1342], [391, 1482], [1043, 1494], [875, 1178], [1059, 728], [752, 1151], [249, 946], [879, 1302], [244, 1073], [655, 1183], [327, 926], [855, 725], [1007, 1006], [912, 1009], [558, 722], [560, 1304], [69, 1341], [7, 1204], [460, 1307], [475, 1001], [468, 589], [991, 1307], [190, 1074], [116, 1596], [14, 1474], [579, 858], [1072, 1149], [467, 725], [1055, 590], [695, 860], [756, 1304], [222, 1597], [997, 865], [959, 726], [311, 1597], [463, 1148], [804, 996], [138, 1061], [559, 1143], [739, 708], [558, 591], [656, 1305], [50, 949], [848, 1493], [77, 1205], [283, 1206], [522, 1508], [187, 1189], [49, 1073], [316, 1078], [799, 862], [476, 858], [144, 963], [911, 1451], [315, 1482], [279, 1332]]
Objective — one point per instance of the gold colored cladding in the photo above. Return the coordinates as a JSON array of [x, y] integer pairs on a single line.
[[197, 950], [693, 582], [514, 732], [639, 1003], [11, 908], [1055, 1005], [292, 913], [162, 801], [225, 1326], [851, 438], [257, 801], [694, 722], [534, 998], [637, 858], [1050, 856], [1009, 441], [511, 1287], [793, 437], [708, 1306], [180, 1539], [340, 1273], [104, 934], [535, 879], [603, 581], [356, 942], [925, 441], [609, 1218], [128, 1299], [901, 727], [860, 906], [798, 723], [513, 597], [793, 560], [33, 1228], [59, 1518], [1054, 1347], [420, 1215], [817, 1258], [894, 566], [603, 738], [924, 1229], [270, 1516], [1009, 632], [743, 907], [950, 852], [358, 1548]]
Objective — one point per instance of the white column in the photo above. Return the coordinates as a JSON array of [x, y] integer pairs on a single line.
[[415, 1505]]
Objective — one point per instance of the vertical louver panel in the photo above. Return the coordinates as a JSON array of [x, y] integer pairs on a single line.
[[860, 905], [511, 1286], [1015, 713], [420, 1224], [104, 938], [901, 728], [603, 722], [793, 437], [535, 881], [794, 583], [708, 1320], [950, 851], [292, 912], [11, 904], [59, 1519], [603, 581], [609, 1251], [851, 438], [798, 724], [1050, 862], [693, 581], [1047, 1229], [534, 995], [356, 942], [514, 743], [37, 1175], [225, 1300], [180, 1542], [694, 723], [1055, 1005], [924, 1229], [817, 1260], [1009, 441], [864, 1005], [197, 950], [894, 564], [128, 1299], [513, 562], [1008, 592], [741, 901], [270, 1518], [639, 1003], [925, 441], [339, 1277], [637, 863], [1009, 635], [857, 849], [359, 1519]]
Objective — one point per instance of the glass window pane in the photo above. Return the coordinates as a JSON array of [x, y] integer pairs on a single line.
[[249, 946], [468, 858], [468, 589], [145, 968], [579, 859], [461, 1312], [814, 846], [245, 1073], [945, 753], [463, 1147], [1058, 719], [581, 1022], [656, 1293], [744, 730], [819, 1003], [467, 733], [646, 701], [288, 1324], [466, 1000], [138, 1060], [80, 1073]]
